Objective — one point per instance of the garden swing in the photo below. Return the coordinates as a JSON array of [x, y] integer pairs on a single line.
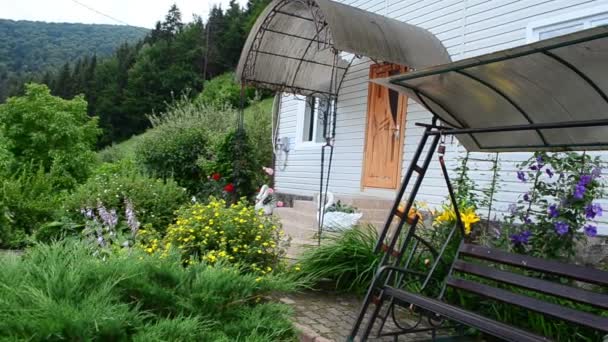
[[546, 96]]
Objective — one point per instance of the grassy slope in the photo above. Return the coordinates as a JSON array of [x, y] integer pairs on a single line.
[[126, 149]]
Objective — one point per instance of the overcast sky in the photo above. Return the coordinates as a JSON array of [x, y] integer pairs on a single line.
[[142, 13]]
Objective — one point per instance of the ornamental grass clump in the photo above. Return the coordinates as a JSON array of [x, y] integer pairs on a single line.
[[215, 232], [346, 259]]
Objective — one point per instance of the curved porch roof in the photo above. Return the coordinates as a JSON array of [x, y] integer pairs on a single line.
[[560, 82], [306, 46]]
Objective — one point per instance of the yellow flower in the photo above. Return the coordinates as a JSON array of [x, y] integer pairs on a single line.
[[235, 249], [447, 215], [469, 217], [297, 268], [258, 279]]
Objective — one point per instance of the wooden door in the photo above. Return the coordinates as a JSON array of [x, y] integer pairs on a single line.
[[384, 133]]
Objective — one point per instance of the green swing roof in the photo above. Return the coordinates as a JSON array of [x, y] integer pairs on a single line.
[[563, 80]]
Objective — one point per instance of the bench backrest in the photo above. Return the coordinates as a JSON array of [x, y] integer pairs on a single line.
[[545, 269]]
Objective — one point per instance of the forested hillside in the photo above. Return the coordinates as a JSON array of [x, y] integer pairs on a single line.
[[141, 78], [28, 48]]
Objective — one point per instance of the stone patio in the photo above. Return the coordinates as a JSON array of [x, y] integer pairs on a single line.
[[330, 316]]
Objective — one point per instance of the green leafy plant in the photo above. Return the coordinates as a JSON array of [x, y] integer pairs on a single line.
[[46, 130], [215, 232], [223, 90], [29, 198], [342, 208], [62, 292]]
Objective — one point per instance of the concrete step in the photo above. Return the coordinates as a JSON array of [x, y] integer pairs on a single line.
[[363, 203], [305, 205], [296, 215]]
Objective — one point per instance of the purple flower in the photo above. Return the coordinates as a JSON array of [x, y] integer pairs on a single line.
[[553, 211], [528, 220], [590, 230], [527, 197], [110, 219], [88, 212], [132, 221], [561, 228], [585, 180], [593, 210], [521, 176], [539, 160], [533, 167], [521, 238], [579, 191], [549, 172], [596, 172]]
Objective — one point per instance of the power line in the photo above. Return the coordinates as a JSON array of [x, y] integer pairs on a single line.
[[107, 15]]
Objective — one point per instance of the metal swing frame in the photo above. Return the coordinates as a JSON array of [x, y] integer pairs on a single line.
[[394, 268]]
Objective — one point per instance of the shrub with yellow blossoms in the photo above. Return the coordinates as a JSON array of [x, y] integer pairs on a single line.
[[214, 232], [448, 216]]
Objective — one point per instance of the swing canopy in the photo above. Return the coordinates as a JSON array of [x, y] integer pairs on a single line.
[[550, 95], [305, 47]]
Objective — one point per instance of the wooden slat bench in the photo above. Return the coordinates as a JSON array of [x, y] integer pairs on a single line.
[[495, 266]]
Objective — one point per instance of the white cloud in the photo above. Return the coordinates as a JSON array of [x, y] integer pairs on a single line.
[[144, 13]]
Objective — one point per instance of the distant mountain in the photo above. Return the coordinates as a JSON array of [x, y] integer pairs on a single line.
[[30, 48]]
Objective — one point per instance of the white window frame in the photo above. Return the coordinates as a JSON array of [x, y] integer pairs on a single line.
[[585, 16], [300, 143]]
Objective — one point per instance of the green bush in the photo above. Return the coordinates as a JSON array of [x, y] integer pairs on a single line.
[[62, 292], [28, 199], [258, 124], [174, 150], [154, 200], [47, 130], [223, 90], [346, 259]]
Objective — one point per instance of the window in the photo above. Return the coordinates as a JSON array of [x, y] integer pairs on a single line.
[[311, 120], [567, 23]]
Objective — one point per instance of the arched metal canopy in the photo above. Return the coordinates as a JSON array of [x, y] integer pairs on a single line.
[[302, 46], [549, 95]]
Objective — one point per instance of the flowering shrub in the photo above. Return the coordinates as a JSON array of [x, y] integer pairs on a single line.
[[234, 234], [560, 208]]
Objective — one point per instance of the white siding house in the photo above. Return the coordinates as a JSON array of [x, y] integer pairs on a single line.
[[467, 28]]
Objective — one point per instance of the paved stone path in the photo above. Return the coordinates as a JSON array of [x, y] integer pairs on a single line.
[[332, 315]]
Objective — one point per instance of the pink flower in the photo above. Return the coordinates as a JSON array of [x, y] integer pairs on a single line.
[[270, 191], [280, 204], [268, 170]]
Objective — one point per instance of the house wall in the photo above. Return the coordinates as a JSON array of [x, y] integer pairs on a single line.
[[467, 28]]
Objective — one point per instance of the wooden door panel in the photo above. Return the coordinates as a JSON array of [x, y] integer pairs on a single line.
[[384, 133]]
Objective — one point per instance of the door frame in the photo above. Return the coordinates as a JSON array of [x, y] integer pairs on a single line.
[[402, 106]]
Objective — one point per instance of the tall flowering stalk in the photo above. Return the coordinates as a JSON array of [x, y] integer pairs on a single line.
[[104, 231], [561, 207]]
